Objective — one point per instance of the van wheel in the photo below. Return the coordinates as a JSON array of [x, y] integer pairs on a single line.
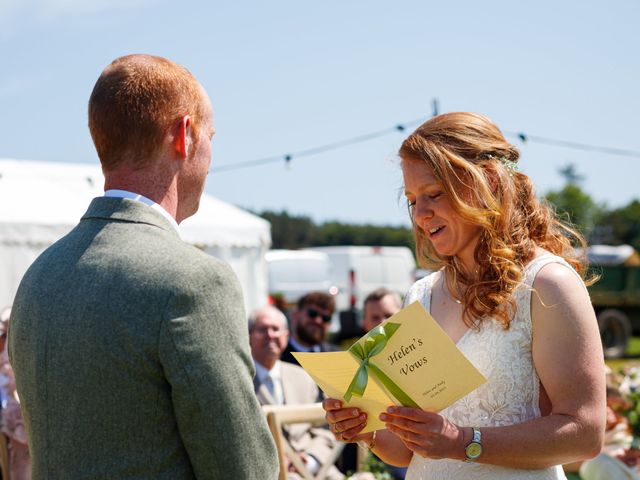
[[615, 331]]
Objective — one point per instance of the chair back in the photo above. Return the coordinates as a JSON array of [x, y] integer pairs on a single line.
[[279, 416]]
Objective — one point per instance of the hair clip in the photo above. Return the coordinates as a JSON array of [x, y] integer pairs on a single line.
[[509, 165], [512, 166]]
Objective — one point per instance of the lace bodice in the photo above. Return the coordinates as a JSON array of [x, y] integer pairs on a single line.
[[511, 393]]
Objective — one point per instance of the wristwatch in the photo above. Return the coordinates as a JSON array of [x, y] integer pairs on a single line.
[[473, 450]]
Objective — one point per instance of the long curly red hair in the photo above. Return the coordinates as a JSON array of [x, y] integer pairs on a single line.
[[472, 161]]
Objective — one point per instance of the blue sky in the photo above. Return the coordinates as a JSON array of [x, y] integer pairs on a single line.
[[289, 75]]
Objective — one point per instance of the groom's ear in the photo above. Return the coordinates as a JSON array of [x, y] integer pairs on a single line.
[[182, 140]]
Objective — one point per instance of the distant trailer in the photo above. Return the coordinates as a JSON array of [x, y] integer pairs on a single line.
[[616, 295]]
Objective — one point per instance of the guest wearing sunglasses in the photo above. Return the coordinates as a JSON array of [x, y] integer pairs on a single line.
[[310, 323]]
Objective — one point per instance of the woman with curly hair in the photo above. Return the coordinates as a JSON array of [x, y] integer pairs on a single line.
[[509, 289]]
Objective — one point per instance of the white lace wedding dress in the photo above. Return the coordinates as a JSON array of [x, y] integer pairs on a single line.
[[511, 393]]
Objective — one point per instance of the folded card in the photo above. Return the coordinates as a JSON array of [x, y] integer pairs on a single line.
[[406, 360]]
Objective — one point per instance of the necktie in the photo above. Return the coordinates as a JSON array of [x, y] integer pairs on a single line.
[[275, 388]]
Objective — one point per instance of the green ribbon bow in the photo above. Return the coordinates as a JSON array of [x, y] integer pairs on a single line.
[[375, 343]]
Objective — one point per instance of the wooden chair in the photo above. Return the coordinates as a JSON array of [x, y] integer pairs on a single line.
[[4, 457], [280, 415]]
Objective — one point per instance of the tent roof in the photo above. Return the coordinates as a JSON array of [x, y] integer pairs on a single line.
[[41, 201], [610, 254]]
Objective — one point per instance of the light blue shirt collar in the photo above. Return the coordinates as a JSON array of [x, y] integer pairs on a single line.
[[262, 372]]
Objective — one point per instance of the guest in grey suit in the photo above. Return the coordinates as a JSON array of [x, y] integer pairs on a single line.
[[278, 382], [130, 346]]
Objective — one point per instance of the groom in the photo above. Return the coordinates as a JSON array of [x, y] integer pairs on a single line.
[[129, 346]]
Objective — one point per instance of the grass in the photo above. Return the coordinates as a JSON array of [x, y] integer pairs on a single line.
[[633, 348], [632, 355]]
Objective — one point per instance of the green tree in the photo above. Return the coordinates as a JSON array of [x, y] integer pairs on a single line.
[[622, 225], [290, 232], [335, 233], [574, 203], [294, 232], [578, 206]]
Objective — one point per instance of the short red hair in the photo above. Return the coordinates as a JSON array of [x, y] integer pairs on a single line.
[[135, 102]]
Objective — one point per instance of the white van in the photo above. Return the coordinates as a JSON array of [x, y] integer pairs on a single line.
[[356, 271], [293, 273]]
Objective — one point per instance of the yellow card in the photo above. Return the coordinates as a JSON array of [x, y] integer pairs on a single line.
[[407, 360]]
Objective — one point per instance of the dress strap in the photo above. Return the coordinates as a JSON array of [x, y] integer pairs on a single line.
[[428, 289], [523, 293], [532, 269], [421, 291]]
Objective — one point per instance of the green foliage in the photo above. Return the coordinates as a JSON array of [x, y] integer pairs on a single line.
[[335, 233], [293, 232], [577, 205], [626, 383], [376, 466], [290, 232], [622, 225], [595, 221], [572, 476]]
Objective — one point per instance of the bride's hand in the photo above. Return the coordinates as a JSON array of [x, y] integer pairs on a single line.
[[345, 423], [425, 433]]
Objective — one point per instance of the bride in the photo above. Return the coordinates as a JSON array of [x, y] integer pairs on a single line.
[[508, 287]]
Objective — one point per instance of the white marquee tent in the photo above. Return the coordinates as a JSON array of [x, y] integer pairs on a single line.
[[42, 201]]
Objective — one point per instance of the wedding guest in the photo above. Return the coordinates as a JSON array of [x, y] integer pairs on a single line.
[[282, 383], [378, 306], [130, 346], [310, 323], [11, 422], [508, 287]]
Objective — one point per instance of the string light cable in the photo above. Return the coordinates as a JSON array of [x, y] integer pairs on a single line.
[[524, 138], [401, 127]]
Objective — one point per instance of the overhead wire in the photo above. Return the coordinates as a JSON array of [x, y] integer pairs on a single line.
[[401, 127], [524, 138]]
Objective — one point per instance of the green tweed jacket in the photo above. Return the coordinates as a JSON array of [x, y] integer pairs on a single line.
[[131, 356]]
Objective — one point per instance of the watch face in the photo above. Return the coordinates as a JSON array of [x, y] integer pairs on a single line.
[[473, 450]]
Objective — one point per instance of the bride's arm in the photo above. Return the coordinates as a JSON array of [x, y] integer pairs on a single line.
[[567, 354]]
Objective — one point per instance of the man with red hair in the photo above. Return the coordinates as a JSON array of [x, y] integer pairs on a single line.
[[130, 346]]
